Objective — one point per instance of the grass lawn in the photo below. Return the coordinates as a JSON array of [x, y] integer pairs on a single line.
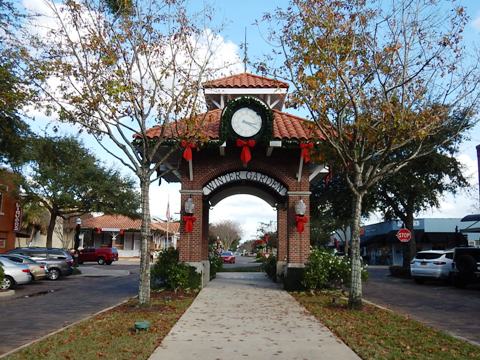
[[374, 333], [111, 335]]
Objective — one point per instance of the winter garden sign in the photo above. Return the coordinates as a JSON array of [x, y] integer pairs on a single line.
[[245, 175]]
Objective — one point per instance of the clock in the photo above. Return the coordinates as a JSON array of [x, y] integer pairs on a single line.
[[246, 122]]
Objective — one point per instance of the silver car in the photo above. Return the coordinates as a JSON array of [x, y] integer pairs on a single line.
[[431, 264], [15, 274], [37, 269], [58, 261]]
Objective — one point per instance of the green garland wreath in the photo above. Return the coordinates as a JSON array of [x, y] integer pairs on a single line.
[[246, 101]]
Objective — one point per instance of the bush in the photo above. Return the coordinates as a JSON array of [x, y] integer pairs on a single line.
[[169, 273], [325, 270], [216, 264], [269, 265]]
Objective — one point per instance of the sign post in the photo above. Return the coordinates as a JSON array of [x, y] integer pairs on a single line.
[[404, 235]]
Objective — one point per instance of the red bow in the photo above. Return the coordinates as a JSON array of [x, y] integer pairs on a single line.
[[187, 153], [300, 221], [305, 154], [245, 156], [189, 220]]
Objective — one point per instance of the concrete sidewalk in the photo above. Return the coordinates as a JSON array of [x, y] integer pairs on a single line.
[[245, 315]]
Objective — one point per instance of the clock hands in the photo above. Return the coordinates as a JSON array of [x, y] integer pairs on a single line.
[[250, 124]]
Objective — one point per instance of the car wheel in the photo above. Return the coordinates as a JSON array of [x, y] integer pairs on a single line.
[[419, 281], [80, 262], [7, 283], [101, 261], [53, 274], [108, 262]]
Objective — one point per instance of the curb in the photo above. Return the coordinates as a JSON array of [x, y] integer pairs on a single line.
[[63, 328], [7, 293]]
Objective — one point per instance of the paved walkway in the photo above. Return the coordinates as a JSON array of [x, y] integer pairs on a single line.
[[245, 315]]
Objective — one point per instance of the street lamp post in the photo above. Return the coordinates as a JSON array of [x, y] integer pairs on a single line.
[[76, 240]]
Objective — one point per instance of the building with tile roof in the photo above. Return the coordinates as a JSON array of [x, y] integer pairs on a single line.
[[123, 233]]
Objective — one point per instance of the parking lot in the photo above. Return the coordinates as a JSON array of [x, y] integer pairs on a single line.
[[434, 303], [45, 306]]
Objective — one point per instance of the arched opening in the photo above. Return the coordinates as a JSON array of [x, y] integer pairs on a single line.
[[242, 227]]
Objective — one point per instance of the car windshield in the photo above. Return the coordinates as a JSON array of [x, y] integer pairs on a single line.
[[227, 253], [428, 255]]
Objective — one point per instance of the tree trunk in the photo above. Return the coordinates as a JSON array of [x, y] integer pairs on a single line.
[[51, 228], [355, 298], [144, 288]]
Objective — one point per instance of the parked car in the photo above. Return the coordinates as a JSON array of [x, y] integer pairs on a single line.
[[466, 266], [103, 255], [228, 257], [431, 264], [37, 269], [14, 274], [58, 261]]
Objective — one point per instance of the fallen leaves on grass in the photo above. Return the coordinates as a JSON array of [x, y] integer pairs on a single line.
[[374, 333], [111, 335]]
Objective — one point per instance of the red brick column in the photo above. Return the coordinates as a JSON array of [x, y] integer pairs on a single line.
[[282, 233], [298, 244], [190, 244]]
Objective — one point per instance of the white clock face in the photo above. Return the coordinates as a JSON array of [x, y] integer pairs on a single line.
[[246, 122]]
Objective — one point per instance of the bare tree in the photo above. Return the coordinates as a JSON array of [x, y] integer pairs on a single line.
[[117, 74], [229, 232], [376, 77]]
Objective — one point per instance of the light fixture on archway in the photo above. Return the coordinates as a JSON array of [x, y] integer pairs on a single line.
[[300, 218], [188, 218]]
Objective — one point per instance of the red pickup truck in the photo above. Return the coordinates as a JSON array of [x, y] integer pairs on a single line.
[[103, 255]]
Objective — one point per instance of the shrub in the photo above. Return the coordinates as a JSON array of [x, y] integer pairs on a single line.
[[269, 265], [216, 264], [168, 272], [325, 270]]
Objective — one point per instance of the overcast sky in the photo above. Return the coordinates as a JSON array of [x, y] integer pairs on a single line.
[[247, 210]]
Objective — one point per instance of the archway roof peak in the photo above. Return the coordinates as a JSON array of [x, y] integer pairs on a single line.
[[245, 80]]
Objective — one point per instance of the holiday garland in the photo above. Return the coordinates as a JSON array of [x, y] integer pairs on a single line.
[[264, 111]]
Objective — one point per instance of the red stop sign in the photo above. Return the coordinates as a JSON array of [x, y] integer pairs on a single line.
[[404, 235]]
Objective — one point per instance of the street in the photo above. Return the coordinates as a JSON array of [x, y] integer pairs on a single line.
[[242, 262], [45, 306], [436, 304]]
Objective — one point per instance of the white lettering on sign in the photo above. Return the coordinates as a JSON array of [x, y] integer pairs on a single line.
[[17, 223], [245, 175]]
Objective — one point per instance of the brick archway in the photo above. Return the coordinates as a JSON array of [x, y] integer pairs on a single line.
[[278, 166]]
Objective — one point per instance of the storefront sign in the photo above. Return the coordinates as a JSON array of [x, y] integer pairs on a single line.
[[17, 223], [245, 175]]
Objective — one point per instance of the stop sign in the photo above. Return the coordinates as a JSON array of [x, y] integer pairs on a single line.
[[404, 235]]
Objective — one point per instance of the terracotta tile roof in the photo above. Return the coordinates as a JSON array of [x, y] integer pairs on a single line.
[[245, 80], [285, 126], [126, 223]]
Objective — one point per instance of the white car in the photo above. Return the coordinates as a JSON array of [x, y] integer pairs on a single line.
[[431, 264], [14, 274]]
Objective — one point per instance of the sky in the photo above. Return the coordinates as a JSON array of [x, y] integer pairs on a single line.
[[236, 17]]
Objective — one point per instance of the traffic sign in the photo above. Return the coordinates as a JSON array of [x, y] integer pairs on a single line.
[[404, 235]]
